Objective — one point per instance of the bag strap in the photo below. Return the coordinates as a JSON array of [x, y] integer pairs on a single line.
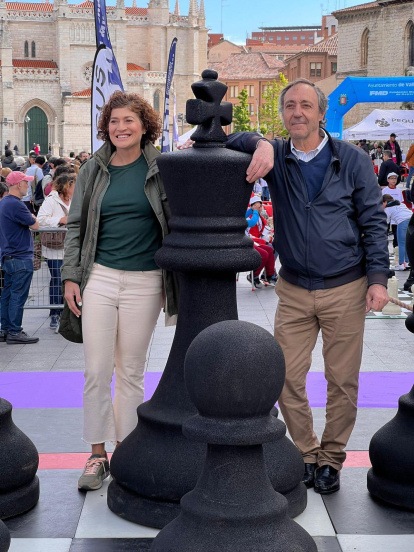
[[85, 209]]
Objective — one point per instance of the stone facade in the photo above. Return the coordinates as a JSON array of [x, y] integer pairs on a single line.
[[47, 51], [374, 40]]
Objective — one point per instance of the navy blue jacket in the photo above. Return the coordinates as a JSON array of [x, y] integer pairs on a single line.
[[338, 236]]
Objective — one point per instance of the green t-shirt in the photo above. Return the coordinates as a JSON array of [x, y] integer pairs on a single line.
[[129, 232]]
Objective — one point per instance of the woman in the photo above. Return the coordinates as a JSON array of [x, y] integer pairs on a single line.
[[59, 170], [52, 214], [258, 228], [117, 283]]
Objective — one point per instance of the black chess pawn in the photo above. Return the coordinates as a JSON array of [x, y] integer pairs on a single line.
[[391, 451], [19, 460], [4, 538], [234, 372], [409, 322]]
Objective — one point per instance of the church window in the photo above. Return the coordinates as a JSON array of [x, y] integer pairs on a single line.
[[364, 48], [33, 49], [157, 100], [26, 49]]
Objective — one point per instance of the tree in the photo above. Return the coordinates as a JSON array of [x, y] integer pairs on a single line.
[[270, 120], [241, 117]]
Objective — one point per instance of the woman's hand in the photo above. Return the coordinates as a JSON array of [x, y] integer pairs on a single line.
[[63, 220], [73, 297]]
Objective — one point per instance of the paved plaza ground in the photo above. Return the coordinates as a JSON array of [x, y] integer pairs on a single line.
[[44, 384]]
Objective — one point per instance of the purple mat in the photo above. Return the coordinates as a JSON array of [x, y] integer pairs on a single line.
[[64, 389]]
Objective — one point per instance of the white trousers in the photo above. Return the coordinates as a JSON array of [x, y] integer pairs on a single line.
[[119, 313]]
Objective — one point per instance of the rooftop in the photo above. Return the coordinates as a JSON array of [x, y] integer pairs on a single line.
[[254, 65], [48, 7], [329, 45], [365, 6]]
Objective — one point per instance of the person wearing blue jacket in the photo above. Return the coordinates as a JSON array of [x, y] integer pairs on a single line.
[[331, 235]]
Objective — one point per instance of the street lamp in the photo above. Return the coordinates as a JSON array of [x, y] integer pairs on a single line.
[[27, 121], [181, 118]]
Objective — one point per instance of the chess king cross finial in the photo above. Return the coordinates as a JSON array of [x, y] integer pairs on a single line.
[[208, 111]]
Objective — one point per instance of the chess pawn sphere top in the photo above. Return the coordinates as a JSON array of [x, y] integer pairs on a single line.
[[4, 538], [391, 451], [19, 460], [234, 373]]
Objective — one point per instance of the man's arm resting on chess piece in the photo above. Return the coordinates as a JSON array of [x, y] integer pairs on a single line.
[[263, 153]]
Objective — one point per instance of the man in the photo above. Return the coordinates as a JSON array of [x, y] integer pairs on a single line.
[[83, 157], [27, 200], [394, 147], [72, 155], [331, 235], [376, 153], [16, 244], [36, 170], [410, 162], [265, 189], [364, 146], [388, 166]]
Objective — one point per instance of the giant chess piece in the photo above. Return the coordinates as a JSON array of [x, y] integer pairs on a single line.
[[391, 451], [19, 460], [4, 538], [155, 466], [234, 373]]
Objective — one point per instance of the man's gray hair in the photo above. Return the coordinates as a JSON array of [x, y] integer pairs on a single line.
[[388, 153], [322, 99]]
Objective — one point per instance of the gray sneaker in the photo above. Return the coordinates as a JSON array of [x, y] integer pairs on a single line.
[[96, 470]]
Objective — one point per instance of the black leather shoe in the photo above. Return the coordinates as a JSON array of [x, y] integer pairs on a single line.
[[3, 337], [327, 480], [309, 475]]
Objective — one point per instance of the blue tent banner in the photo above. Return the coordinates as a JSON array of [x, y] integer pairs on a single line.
[[355, 90]]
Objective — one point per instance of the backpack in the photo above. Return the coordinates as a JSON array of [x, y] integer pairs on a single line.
[[38, 195]]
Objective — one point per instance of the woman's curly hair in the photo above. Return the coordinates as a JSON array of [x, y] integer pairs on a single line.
[[147, 114]]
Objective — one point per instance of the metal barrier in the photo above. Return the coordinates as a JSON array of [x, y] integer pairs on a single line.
[[46, 287]]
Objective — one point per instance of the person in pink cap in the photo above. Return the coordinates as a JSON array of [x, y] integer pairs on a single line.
[[16, 245]]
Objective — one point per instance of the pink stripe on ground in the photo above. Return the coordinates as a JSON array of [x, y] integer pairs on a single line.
[[77, 460]]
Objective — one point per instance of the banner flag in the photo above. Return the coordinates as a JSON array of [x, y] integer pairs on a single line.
[[106, 78], [175, 125], [258, 122], [165, 144]]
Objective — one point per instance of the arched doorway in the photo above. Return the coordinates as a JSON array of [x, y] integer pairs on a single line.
[[36, 130], [411, 45]]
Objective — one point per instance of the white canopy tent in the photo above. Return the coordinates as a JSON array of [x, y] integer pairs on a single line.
[[380, 123]]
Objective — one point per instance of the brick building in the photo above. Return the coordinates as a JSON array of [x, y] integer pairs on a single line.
[[222, 49], [47, 50], [375, 39], [252, 71], [315, 63], [292, 36]]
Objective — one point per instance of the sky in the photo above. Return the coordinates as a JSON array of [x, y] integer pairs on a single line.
[[237, 18]]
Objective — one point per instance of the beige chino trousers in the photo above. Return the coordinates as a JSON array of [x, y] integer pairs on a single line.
[[119, 313], [340, 315]]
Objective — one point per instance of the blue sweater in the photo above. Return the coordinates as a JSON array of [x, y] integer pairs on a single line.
[[314, 171]]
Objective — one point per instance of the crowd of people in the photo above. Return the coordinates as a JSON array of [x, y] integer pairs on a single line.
[[35, 195]]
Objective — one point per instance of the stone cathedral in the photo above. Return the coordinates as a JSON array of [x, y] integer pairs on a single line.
[[47, 51]]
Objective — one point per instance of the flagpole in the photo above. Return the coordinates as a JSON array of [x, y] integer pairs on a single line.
[[165, 142]]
